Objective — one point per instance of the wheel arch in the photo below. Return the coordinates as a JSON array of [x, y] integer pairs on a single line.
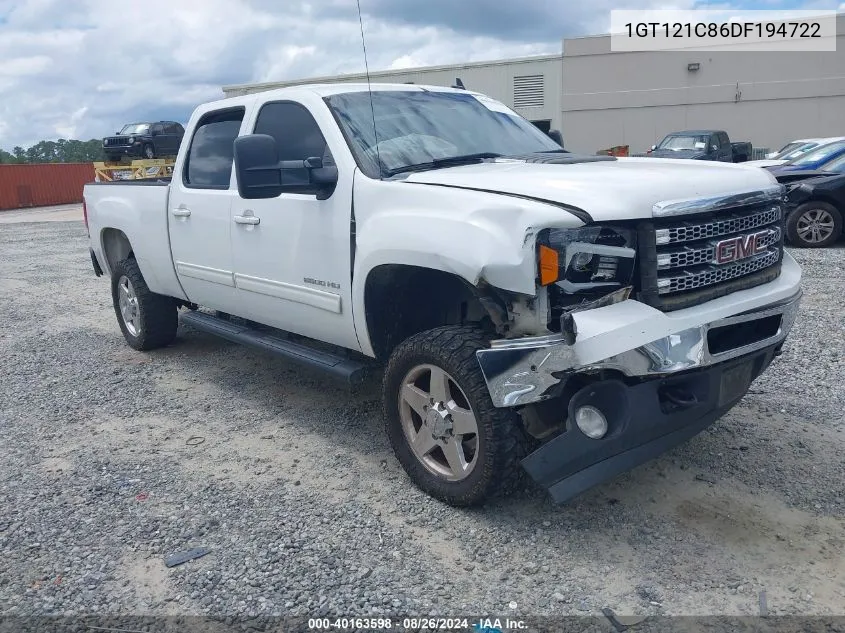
[[401, 300], [116, 247]]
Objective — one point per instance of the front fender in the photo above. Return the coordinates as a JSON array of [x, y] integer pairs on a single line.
[[477, 236]]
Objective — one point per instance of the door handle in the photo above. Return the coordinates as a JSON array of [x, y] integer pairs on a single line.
[[181, 212], [247, 219]]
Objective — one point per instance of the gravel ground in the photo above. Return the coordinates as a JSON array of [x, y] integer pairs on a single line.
[[113, 459]]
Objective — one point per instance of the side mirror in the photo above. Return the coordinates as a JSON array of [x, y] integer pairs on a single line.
[[653, 147], [556, 136], [261, 175], [257, 166]]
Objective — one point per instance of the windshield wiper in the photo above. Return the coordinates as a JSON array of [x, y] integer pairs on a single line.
[[450, 161]]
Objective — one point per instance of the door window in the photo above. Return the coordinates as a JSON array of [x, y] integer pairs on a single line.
[[297, 134], [209, 161]]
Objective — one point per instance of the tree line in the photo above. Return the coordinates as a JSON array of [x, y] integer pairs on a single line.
[[60, 151]]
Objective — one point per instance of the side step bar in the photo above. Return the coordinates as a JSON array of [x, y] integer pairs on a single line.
[[350, 370]]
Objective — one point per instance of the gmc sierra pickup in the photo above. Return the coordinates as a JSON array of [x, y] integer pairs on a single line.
[[531, 310]]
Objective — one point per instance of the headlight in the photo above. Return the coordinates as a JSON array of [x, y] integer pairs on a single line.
[[592, 260], [131, 140]]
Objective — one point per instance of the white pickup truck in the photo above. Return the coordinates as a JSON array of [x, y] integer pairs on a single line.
[[532, 310]]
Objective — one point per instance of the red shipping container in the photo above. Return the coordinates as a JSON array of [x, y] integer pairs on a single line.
[[43, 185]]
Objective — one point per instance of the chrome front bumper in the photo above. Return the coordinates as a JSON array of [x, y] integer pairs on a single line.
[[527, 370]]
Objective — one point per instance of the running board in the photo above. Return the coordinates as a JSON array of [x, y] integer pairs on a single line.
[[349, 370]]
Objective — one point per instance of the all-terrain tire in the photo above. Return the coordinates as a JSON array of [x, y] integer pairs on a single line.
[[502, 441], [157, 318]]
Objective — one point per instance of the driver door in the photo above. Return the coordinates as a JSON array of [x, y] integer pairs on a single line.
[[292, 253]]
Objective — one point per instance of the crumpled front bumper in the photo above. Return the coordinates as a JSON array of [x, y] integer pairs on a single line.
[[640, 341]]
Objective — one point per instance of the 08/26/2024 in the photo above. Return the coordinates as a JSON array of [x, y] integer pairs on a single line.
[[383, 624]]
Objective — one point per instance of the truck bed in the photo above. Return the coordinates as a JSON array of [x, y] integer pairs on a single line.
[[135, 211]]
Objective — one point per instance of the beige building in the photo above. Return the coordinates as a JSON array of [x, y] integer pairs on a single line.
[[599, 98]]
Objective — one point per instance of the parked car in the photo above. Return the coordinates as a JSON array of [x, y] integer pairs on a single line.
[[795, 152], [816, 159], [701, 145], [815, 204], [527, 308], [144, 140], [792, 146]]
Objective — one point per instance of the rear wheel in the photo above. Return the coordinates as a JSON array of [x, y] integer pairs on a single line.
[[814, 224], [147, 320], [450, 439]]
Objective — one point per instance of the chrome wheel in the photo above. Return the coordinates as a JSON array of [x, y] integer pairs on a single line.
[[438, 422], [815, 225], [128, 304]]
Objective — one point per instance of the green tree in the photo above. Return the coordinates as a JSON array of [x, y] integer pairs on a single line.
[[58, 151]]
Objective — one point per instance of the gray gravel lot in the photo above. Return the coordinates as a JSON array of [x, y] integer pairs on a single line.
[[294, 488]]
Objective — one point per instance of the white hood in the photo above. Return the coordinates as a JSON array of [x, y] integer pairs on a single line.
[[623, 189]]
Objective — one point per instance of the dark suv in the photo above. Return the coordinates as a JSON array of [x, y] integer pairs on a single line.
[[144, 140]]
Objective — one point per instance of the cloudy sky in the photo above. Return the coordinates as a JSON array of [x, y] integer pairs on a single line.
[[81, 68]]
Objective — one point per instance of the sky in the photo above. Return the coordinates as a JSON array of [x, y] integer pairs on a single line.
[[83, 68]]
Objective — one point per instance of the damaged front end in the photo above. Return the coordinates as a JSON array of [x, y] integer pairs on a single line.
[[651, 337]]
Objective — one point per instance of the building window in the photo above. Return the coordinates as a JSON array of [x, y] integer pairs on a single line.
[[528, 91]]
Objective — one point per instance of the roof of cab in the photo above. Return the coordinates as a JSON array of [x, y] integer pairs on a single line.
[[325, 90]]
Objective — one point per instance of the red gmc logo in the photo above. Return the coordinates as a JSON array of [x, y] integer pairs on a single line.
[[737, 248]]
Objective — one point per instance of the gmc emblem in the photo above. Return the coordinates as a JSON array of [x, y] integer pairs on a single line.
[[736, 248]]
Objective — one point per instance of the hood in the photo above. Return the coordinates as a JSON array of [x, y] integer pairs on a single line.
[[677, 153], [622, 189]]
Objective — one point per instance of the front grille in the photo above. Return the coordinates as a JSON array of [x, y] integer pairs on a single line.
[[691, 259], [116, 140], [715, 228], [714, 275], [692, 256]]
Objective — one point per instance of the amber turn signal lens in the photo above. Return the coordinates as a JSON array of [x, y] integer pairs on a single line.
[[548, 265]]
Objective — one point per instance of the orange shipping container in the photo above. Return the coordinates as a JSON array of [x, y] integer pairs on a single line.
[[42, 185]]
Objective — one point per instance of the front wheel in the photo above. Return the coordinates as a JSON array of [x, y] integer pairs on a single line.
[[149, 151], [147, 320], [814, 224], [450, 439]]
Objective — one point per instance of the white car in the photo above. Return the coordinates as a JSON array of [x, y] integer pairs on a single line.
[[528, 308], [793, 150]]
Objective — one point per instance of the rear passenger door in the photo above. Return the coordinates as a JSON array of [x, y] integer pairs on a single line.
[[201, 195], [174, 136]]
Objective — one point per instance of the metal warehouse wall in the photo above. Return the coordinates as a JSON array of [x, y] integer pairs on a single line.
[[531, 85], [43, 184], [768, 98]]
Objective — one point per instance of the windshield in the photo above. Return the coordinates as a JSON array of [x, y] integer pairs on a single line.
[[417, 127], [795, 150], [819, 154], [135, 128], [685, 141]]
